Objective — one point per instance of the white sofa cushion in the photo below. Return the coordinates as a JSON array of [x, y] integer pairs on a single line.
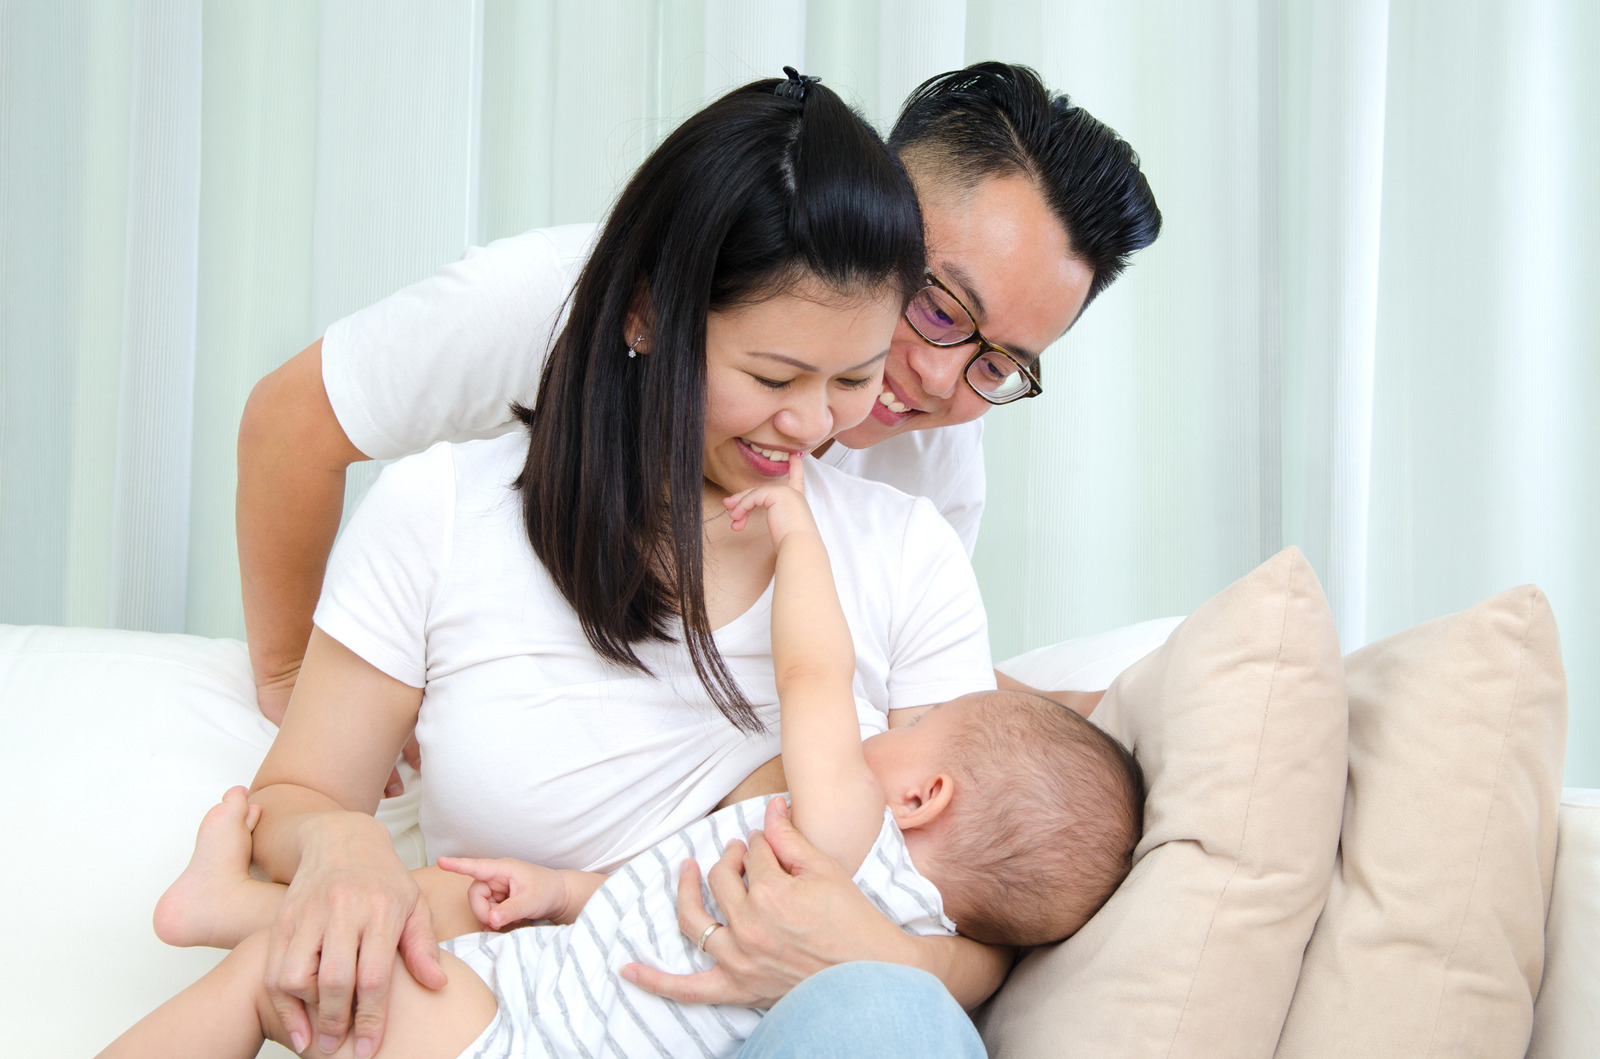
[[112, 746]]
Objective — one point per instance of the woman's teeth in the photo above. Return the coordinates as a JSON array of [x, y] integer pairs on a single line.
[[775, 455], [887, 399]]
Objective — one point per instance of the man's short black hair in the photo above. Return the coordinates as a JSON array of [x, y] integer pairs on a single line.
[[993, 119]]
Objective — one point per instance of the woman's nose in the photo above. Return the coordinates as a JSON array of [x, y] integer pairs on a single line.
[[939, 367], [808, 420]]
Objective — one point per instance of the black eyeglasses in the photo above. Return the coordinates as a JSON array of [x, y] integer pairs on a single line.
[[995, 373]]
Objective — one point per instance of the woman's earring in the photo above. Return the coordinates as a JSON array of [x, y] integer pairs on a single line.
[[633, 347]]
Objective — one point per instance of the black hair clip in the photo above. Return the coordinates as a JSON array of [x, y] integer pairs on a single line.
[[795, 87]]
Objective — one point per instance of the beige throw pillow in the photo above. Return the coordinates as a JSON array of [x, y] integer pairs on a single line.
[[1432, 943], [1239, 722]]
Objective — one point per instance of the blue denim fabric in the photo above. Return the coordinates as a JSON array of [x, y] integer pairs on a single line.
[[876, 1009]]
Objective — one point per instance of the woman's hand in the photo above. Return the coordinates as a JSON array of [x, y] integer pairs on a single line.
[[350, 907], [801, 913]]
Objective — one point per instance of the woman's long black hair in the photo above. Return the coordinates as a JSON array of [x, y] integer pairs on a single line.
[[755, 193]]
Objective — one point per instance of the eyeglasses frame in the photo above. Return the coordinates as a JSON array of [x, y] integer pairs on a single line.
[[984, 346]]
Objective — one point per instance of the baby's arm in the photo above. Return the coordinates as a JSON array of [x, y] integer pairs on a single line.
[[836, 800]]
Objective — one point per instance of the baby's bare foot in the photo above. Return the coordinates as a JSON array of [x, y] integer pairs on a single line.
[[191, 911]]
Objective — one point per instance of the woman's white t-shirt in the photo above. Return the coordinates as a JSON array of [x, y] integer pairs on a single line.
[[443, 359], [535, 748]]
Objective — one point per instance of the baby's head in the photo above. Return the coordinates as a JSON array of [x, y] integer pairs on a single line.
[[1023, 813]]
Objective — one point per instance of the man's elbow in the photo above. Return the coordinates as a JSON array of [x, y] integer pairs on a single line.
[[288, 416]]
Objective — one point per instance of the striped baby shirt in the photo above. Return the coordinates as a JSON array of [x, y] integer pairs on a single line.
[[558, 989]]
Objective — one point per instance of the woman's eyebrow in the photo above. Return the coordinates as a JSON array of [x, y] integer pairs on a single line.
[[803, 366]]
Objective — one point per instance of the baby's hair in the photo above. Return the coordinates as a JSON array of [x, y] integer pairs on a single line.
[[1046, 813]]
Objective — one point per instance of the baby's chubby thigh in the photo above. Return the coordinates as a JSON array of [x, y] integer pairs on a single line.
[[422, 1024]]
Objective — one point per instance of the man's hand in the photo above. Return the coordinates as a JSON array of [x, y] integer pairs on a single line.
[[801, 913]]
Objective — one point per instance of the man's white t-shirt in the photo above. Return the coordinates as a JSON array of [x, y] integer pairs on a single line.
[[534, 747], [443, 359]]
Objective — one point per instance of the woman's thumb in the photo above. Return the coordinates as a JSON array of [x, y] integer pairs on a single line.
[[793, 850]]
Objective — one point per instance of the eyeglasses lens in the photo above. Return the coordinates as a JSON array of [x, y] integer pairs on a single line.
[[939, 318], [997, 377]]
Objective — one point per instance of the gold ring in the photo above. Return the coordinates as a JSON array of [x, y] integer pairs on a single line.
[[705, 935]]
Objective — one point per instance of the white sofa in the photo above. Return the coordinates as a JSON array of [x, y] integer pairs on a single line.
[[112, 745]]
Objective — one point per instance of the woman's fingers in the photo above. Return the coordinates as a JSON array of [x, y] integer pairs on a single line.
[[792, 851], [726, 880], [692, 914], [335, 987], [707, 987], [285, 998], [419, 948], [373, 975], [693, 919]]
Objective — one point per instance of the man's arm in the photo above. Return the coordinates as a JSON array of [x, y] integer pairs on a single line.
[[1083, 702], [292, 458]]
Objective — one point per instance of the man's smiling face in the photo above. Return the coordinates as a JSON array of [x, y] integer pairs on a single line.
[[1003, 253]]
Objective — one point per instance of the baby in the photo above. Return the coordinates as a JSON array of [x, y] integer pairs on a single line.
[[999, 814]]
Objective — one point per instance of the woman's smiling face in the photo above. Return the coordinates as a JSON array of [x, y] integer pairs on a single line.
[[785, 374]]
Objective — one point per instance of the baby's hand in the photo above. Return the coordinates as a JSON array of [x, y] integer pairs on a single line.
[[508, 891], [787, 510]]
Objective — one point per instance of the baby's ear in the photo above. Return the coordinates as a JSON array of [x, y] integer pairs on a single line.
[[921, 805]]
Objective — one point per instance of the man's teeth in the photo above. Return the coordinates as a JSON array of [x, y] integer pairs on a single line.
[[887, 399], [775, 455]]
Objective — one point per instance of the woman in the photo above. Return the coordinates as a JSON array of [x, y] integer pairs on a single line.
[[600, 629]]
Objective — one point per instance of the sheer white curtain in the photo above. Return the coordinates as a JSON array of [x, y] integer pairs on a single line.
[[1369, 328]]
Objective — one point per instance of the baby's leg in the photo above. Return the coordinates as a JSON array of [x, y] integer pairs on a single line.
[[215, 902], [228, 1013]]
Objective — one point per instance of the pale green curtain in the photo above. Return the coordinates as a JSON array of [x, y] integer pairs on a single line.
[[1370, 327]]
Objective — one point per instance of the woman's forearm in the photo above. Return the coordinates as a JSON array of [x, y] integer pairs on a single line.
[[971, 970], [296, 821]]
